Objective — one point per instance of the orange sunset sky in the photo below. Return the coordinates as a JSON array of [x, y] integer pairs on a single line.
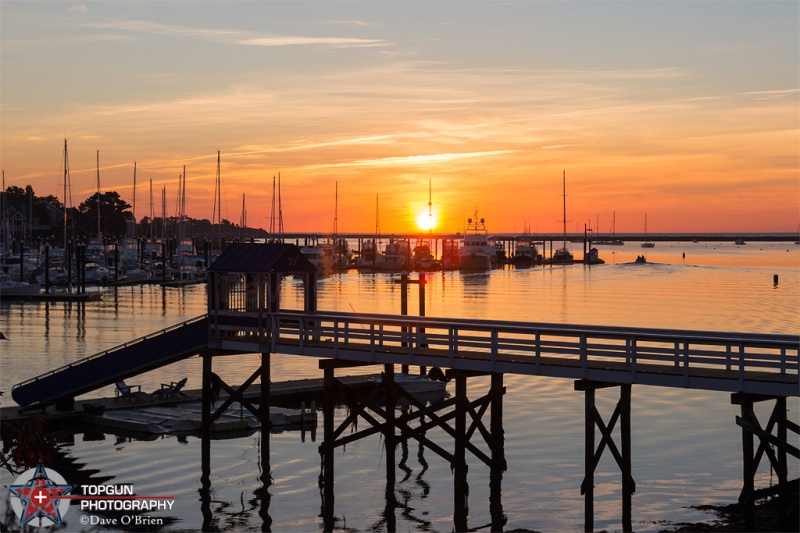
[[688, 112]]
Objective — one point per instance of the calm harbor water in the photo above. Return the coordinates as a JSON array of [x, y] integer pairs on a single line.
[[686, 445]]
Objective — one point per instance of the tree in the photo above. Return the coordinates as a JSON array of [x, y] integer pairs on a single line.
[[114, 215]]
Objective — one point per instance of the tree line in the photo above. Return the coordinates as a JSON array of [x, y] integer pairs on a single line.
[[114, 223]]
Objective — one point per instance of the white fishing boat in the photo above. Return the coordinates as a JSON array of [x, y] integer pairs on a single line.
[[418, 384], [9, 287], [476, 251], [395, 257], [367, 258], [137, 274], [96, 273]]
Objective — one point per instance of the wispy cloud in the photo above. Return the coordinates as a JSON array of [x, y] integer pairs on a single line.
[[229, 36], [294, 40], [413, 159]]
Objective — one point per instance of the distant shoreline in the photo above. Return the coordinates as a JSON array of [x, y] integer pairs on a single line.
[[625, 237]]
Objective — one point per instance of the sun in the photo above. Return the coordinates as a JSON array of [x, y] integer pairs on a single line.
[[426, 221]]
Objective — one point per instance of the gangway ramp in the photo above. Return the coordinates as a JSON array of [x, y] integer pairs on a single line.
[[132, 358]]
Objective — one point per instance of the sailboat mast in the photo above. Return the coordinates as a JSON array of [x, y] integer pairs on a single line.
[[280, 208], [152, 222], [430, 212], [98, 194], [564, 185], [164, 214], [66, 177], [243, 221], [134, 199], [216, 216], [335, 211], [4, 216]]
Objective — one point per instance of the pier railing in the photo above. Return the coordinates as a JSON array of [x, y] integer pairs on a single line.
[[737, 362]]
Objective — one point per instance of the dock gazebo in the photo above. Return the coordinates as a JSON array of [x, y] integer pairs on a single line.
[[244, 285]]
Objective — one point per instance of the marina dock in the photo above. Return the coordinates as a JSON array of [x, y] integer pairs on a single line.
[[292, 393]]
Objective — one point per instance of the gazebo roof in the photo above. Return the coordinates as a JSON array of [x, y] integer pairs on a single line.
[[262, 258]]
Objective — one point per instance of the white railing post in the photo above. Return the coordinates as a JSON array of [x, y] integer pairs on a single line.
[[686, 362], [742, 365], [584, 354], [452, 341], [336, 338], [494, 348], [301, 327], [274, 333]]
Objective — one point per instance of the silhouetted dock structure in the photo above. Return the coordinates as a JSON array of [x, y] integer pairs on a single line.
[[245, 316]]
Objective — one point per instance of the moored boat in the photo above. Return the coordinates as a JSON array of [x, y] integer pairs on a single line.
[[476, 251], [395, 258], [10, 287], [525, 253]]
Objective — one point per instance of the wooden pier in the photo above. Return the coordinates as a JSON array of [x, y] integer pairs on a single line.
[[245, 316]]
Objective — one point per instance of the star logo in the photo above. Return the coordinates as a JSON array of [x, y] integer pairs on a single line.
[[39, 491]]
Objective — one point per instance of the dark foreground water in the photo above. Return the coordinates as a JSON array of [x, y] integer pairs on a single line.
[[686, 444]]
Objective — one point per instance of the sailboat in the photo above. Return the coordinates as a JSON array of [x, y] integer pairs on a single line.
[[613, 241], [563, 255], [646, 243]]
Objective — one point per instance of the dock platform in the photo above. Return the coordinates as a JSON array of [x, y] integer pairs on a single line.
[[284, 393]]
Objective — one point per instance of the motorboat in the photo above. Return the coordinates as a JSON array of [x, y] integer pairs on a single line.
[[9, 287], [96, 273], [418, 384], [525, 253], [395, 258], [476, 251], [562, 256], [368, 256], [423, 257]]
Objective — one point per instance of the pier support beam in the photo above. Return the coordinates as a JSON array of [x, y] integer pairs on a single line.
[[212, 386], [383, 419], [498, 454], [391, 443], [622, 454], [751, 456], [460, 468], [205, 444], [326, 448]]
